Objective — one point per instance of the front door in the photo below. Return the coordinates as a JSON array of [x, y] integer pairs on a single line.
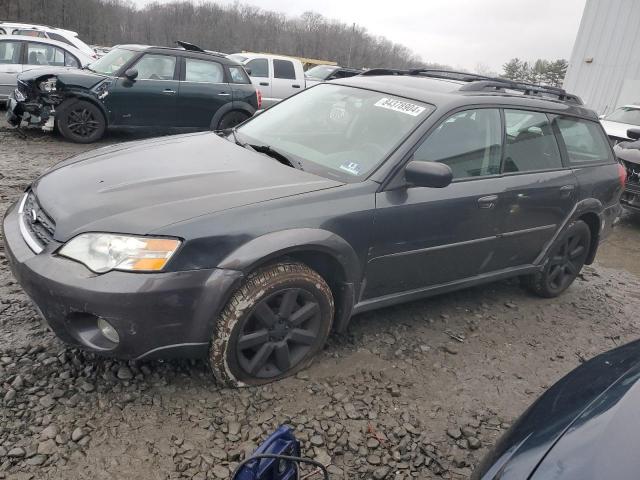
[[428, 236], [203, 90], [10, 66], [260, 73], [151, 98], [285, 82]]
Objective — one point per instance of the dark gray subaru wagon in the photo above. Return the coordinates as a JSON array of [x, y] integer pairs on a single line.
[[249, 246]]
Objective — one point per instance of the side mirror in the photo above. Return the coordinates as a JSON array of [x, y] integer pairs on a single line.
[[131, 73], [634, 133], [428, 174], [601, 117]]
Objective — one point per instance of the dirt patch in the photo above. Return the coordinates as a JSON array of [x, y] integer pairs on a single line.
[[421, 389]]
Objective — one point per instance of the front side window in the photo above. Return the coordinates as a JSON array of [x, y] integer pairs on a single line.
[[156, 67], [238, 75], [113, 61], [336, 131], [284, 69], [628, 115], [203, 71], [584, 140], [10, 53], [259, 67], [470, 142], [530, 143], [41, 54]]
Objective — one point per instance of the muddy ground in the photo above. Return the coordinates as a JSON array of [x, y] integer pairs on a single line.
[[398, 397]]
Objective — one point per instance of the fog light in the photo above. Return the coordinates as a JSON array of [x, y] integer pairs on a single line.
[[108, 331]]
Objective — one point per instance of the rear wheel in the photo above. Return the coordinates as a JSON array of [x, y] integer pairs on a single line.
[[230, 120], [80, 121], [273, 326], [564, 262]]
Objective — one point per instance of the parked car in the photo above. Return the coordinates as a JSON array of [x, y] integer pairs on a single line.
[[275, 76], [584, 427], [617, 123], [628, 154], [43, 31], [136, 86], [365, 192], [324, 73], [19, 53]]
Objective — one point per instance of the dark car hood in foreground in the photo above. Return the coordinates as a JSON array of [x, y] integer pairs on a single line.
[[69, 76], [628, 151], [142, 186], [585, 427]]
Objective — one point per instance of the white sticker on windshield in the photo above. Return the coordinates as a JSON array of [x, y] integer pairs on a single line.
[[400, 106], [351, 167]]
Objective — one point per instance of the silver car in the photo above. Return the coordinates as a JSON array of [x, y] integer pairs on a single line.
[[19, 53]]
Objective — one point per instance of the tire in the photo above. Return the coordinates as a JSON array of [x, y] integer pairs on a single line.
[[273, 325], [230, 120], [563, 263], [81, 121]]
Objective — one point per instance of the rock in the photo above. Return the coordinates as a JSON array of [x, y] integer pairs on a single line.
[[16, 452], [36, 460], [450, 349], [48, 447], [322, 456], [381, 473], [124, 373], [474, 443], [10, 395], [373, 460], [454, 433], [86, 386], [18, 382], [373, 443], [78, 434], [316, 441], [47, 401], [50, 432], [468, 432], [220, 472], [234, 428]]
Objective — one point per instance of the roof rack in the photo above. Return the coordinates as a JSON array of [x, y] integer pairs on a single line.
[[190, 46], [479, 83]]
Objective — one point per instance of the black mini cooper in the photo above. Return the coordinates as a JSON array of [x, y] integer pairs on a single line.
[[136, 86], [252, 246]]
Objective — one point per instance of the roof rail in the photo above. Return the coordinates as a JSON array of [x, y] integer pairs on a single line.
[[479, 83]]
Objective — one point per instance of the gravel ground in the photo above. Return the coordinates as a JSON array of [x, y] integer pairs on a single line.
[[420, 390]]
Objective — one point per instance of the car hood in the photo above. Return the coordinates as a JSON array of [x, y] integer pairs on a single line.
[[141, 186], [628, 151], [69, 76], [616, 129], [583, 425]]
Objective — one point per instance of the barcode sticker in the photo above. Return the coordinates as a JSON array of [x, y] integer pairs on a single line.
[[400, 106]]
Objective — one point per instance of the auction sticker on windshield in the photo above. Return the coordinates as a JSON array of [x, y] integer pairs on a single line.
[[400, 106]]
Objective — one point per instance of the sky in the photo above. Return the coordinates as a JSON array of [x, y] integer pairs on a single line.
[[472, 34]]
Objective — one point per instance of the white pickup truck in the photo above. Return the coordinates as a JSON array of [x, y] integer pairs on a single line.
[[277, 77]]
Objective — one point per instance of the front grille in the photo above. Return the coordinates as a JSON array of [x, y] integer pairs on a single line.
[[35, 225], [633, 172]]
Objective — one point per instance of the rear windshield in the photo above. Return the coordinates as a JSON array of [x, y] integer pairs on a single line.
[[628, 115], [112, 62]]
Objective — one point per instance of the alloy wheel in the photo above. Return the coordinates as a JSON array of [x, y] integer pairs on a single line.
[[82, 122], [567, 261]]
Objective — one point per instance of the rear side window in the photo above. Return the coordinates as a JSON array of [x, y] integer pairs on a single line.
[[284, 69], [259, 67], [585, 142], [70, 60], [59, 38], [10, 53], [530, 143], [156, 67], [238, 75], [203, 71], [470, 142], [41, 54]]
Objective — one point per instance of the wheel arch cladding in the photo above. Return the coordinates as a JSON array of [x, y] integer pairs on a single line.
[[237, 106], [325, 252], [593, 222], [74, 96]]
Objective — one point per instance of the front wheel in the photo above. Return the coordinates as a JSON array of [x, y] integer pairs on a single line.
[[81, 121], [565, 259], [272, 326]]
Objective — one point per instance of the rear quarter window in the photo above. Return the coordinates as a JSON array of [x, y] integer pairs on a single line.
[[585, 141], [238, 75]]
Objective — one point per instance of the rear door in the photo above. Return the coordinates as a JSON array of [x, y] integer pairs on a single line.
[[151, 98], [260, 73], [285, 80], [10, 66], [203, 90], [542, 189]]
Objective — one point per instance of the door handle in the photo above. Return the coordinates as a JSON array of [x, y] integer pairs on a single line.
[[295, 86], [168, 91], [264, 84], [567, 190], [224, 94], [488, 202]]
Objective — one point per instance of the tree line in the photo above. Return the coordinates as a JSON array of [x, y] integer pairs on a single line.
[[222, 27], [540, 72]]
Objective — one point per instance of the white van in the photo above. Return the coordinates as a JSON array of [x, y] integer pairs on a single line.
[[276, 76]]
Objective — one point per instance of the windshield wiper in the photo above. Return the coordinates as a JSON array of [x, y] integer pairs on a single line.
[[282, 158], [236, 140]]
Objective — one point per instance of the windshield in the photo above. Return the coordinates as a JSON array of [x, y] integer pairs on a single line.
[[321, 72], [625, 115], [336, 131], [112, 62]]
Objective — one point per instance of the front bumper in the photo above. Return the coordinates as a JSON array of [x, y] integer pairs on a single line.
[[156, 315], [631, 196]]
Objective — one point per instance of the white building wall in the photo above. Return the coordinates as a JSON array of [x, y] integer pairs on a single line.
[[604, 69]]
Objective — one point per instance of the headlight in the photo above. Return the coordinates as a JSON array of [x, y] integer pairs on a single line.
[[48, 85], [102, 252]]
